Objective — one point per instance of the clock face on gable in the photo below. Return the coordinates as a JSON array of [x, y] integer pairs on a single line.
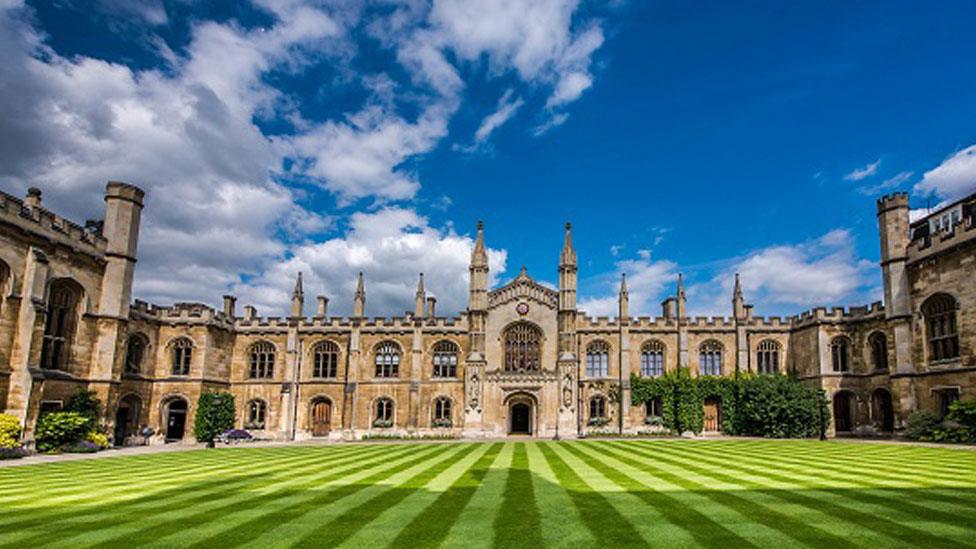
[[522, 308]]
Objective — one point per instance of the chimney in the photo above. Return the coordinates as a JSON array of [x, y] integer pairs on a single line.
[[431, 304], [33, 199], [250, 313], [667, 308], [748, 309], [230, 306], [323, 307]]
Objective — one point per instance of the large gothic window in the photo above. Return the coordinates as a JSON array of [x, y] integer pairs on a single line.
[[445, 359], [523, 346], [59, 327], [840, 354], [325, 360], [135, 351], [652, 359], [387, 359], [767, 357], [710, 358], [940, 322], [598, 359], [262, 360], [878, 343], [181, 350]]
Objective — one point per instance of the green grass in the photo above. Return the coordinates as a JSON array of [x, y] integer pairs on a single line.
[[663, 493]]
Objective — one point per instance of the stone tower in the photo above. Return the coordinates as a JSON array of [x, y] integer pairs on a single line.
[[894, 226], [474, 370], [566, 321]]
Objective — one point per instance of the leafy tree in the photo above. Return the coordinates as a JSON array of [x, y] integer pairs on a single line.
[[215, 414]]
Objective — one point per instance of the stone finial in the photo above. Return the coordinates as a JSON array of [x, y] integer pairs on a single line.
[[623, 300], [359, 301], [298, 298], [479, 256], [681, 299], [418, 310], [738, 302], [568, 256]]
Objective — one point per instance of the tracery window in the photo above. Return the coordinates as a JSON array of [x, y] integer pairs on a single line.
[[384, 413], [387, 359], [522, 347], [710, 358], [59, 327], [840, 354], [256, 411], [878, 343], [598, 359], [262, 360], [325, 360], [767, 357], [652, 359], [940, 321], [181, 351], [445, 359], [598, 408], [442, 412], [135, 350]]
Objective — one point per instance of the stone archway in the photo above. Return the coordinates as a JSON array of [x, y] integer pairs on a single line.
[[882, 411], [522, 414], [174, 419], [127, 418], [843, 412]]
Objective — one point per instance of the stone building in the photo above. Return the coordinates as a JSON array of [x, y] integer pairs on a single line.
[[522, 359]]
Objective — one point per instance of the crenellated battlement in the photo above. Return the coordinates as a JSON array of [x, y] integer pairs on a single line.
[[36, 219], [839, 314], [892, 201], [961, 233]]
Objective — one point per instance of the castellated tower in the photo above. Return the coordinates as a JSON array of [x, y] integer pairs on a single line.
[[893, 225], [123, 212]]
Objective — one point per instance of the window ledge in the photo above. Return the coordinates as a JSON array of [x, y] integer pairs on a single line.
[[946, 364]]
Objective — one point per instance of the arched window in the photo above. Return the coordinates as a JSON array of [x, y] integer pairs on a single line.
[[384, 413], [879, 350], [767, 357], [256, 412], [652, 359], [445, 359], [598, 408], [598, 359], [710, 358], [442, 412], [387, 359], [135, 350], [940, 321], [262, 360], [325, 360], [653, 408], [840, 354], [59, 327], [523, 345], [181, 350]]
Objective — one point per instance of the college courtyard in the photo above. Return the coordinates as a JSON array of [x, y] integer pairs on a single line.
[[505, 493]]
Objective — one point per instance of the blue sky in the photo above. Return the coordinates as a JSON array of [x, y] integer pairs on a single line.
[[334, 137]]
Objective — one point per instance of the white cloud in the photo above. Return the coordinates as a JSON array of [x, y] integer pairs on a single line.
[[390, 246], [954, 178], [886, 185], [646, 280], [865, 172], [507, 107], [553, 121]]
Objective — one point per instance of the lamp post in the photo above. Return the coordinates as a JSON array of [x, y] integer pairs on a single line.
[[213, 404], [822, 397]]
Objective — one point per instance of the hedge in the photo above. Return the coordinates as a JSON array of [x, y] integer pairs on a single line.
[[774, 406]]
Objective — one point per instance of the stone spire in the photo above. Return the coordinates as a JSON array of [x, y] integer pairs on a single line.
[[682, 301], [477, 299], [738, 301], [297, 297], [568, 255], [359, 301], [479, 257], [418, 307], [623, 298]]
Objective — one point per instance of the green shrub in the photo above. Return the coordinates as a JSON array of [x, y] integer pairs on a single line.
[[85, 403], [55, 430], [9, 432], [922, 425], [963, 412], [215, 414], [98, 439]]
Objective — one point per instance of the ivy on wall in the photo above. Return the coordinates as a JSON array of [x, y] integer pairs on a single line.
[[775, 406]]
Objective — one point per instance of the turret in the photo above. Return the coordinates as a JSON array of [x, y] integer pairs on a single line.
[[123, 214], [738, 301], [418, 306], [359, 300], [298, 298], [623, 300], [893, 225]]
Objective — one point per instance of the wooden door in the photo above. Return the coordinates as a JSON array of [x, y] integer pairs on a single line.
[[713, 420], [321, 418], [842, 412]]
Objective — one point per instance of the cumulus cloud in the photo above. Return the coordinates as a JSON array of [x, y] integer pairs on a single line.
[[390, 246], [863, 173], [954, 178], [646, 281]]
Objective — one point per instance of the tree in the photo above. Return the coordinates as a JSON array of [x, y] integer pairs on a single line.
[[215, 414]]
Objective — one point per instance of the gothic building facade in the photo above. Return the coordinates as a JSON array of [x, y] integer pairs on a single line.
[[522, 359]]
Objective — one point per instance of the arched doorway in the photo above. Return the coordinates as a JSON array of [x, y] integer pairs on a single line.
[[881, 410], [321, 417], [176, 419], [521, 419], [843, 419], [712, 415], [127, 418]]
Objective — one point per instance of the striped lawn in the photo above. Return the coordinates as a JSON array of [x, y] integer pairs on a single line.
[[662, 493]]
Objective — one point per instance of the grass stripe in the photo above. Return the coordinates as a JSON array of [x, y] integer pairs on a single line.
[[558, 517], [473, 528], [517, 523], [429, 528]]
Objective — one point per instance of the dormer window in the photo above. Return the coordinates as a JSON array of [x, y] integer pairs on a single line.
[[945, 221]]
